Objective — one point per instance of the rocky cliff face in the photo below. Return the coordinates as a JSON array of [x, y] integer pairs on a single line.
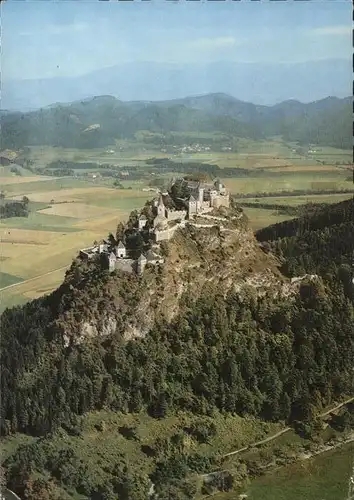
[[197, 261]]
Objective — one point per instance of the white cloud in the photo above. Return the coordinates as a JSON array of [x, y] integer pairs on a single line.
[[340, 30], [213, 43]]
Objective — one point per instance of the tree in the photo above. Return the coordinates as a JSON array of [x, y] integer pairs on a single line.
[[120, 232]]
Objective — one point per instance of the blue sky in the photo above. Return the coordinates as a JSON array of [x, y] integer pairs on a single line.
[[44, 39]]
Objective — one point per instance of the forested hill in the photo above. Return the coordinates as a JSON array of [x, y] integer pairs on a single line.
[[99, 121], [238, 337], [320, 242]]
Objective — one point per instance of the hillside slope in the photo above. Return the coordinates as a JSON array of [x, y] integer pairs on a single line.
[[99, 121], [216, 328]]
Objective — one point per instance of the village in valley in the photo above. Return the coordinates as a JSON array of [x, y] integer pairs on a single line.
[[186, 202]]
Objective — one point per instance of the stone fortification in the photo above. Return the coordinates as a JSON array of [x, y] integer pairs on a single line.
[[202, 198]]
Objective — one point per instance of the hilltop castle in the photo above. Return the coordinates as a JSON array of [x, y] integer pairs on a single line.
[[196, 201]]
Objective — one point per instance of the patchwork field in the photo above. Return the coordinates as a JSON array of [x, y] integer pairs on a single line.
[[36, 250], [68, 213]]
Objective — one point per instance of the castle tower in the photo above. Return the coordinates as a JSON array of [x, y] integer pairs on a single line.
[[121, 251], [213, 198], [112, 259], [200, 198], [161, 209], [141, 263], [192, 206]]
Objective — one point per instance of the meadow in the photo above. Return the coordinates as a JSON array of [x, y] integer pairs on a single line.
[[68, 213], [324, 477], [102, 440]]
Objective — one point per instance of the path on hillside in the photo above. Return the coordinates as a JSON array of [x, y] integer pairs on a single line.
[[349, 439], [287, 429], [34, 278]]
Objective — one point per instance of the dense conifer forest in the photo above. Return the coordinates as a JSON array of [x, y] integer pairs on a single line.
[[256, 355]]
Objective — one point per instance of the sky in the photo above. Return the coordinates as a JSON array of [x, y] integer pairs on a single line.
[[44, 39]]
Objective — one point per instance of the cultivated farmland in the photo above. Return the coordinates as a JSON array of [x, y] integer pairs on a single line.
[[36, 250], [70, 212]]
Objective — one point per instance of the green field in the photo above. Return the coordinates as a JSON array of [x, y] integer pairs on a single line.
[[8, 279], [261, 217], [324, 477], [42, 222]]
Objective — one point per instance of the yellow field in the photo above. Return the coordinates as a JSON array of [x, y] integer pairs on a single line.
[[69, 195], [105, 223], [39, 248], [76, 210], [18, 179], [14, 235]]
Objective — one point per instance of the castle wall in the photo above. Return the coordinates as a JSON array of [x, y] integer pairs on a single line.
[[212, 217], [88, 253], [165, 234], [220, 201], [103, 248], [126, 265], [140, 267], [192, 208], [111, 265], [176, 214]]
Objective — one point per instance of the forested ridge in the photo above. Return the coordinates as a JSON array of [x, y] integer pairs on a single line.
[[321, 242], [250, 354], [99, 121]]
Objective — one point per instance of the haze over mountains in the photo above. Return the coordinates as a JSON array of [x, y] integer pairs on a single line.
[[261, 83]]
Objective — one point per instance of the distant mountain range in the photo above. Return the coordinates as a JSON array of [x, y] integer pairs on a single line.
[[99, 121], [262, 83]]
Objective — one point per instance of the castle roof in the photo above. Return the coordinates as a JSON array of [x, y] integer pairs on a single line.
[[142, 217], [121, 245], [161, 203], [112, 256], [142, 258], [191, 198]]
